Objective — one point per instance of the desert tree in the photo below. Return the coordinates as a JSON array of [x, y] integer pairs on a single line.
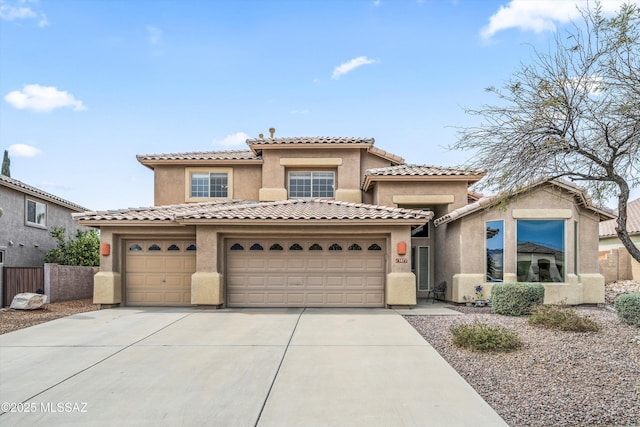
[[572, 112]]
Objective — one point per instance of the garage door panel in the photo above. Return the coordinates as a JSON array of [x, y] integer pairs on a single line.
[[305, 278], [334, 264]]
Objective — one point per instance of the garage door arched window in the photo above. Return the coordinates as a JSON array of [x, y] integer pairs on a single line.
[[315, 247], [276, 247], [191, 248], [335, 247], [295, 247], [237, 247], [256, 247], [374, 247], [355, 247], [135, 248], [155, 247], [173, 247]]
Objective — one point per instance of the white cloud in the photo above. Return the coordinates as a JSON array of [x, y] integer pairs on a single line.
[[42, 99], [541, 15], [233, 140], [23, 150], [349, 66], [11, 12]]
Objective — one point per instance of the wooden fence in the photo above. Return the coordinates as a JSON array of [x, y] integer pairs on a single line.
[[16, 280]]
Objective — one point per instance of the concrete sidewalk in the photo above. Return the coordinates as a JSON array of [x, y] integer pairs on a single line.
[[267, 367]]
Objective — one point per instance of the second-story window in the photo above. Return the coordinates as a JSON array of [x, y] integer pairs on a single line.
[[213, 184], [36, 213], [311, 184]]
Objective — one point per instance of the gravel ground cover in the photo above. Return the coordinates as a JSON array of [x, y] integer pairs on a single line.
[[557, 378], [12, 320]]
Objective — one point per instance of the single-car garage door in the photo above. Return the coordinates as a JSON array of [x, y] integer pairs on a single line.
[[158, 272], [305, 273]]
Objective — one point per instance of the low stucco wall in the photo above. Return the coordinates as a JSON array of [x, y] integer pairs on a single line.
[[66, 282], [582, 289]]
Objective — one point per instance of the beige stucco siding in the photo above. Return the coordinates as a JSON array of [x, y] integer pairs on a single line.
[[171, 187], [384, 191]]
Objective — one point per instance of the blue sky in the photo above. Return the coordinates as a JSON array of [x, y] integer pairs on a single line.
[[87, 85]]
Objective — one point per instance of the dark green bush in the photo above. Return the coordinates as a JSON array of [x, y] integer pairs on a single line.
[[482, 337], [516, 299], [628, 308], [561, 318]]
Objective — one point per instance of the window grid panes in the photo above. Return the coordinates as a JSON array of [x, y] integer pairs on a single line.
[[311, 184], [215, 184]]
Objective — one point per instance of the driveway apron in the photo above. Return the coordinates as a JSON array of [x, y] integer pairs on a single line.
[[241, 367]]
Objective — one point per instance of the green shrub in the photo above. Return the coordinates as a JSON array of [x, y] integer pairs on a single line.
[[482, 337], [628, 308], [516, 299], [561, 318]]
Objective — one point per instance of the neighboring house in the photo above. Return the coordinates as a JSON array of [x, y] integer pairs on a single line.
[[28, 215], [615, 261], [337, 222]]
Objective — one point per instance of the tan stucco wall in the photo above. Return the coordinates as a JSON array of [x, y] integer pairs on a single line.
[[462, 262], [170, 182], [385, 191]]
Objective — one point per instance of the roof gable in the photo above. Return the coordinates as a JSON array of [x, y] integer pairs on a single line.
[[490, 201], [20, 186]]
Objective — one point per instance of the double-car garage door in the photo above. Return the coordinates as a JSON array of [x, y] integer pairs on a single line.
[[262, 272], [305, 273]]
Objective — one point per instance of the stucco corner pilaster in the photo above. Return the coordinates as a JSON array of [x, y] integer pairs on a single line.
[[107, 288], [401, 289], [207, 288]]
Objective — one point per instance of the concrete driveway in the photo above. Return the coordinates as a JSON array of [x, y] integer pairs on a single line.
[[267, 367]]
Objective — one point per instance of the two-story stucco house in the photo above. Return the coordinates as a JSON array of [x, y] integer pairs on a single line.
[[28, 214], [336, 222]]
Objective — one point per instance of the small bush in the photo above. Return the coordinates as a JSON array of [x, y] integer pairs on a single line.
[[516, 299], [628, 308], [482, 337], [561, 318]]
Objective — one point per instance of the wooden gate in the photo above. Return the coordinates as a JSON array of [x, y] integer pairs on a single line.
[[16, 280]]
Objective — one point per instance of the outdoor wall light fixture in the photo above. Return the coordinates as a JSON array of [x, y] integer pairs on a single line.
[[402, 248]]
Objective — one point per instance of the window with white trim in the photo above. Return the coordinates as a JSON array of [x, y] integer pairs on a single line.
[[36, 213], [209, 185], [204, 184], [311, 184]]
